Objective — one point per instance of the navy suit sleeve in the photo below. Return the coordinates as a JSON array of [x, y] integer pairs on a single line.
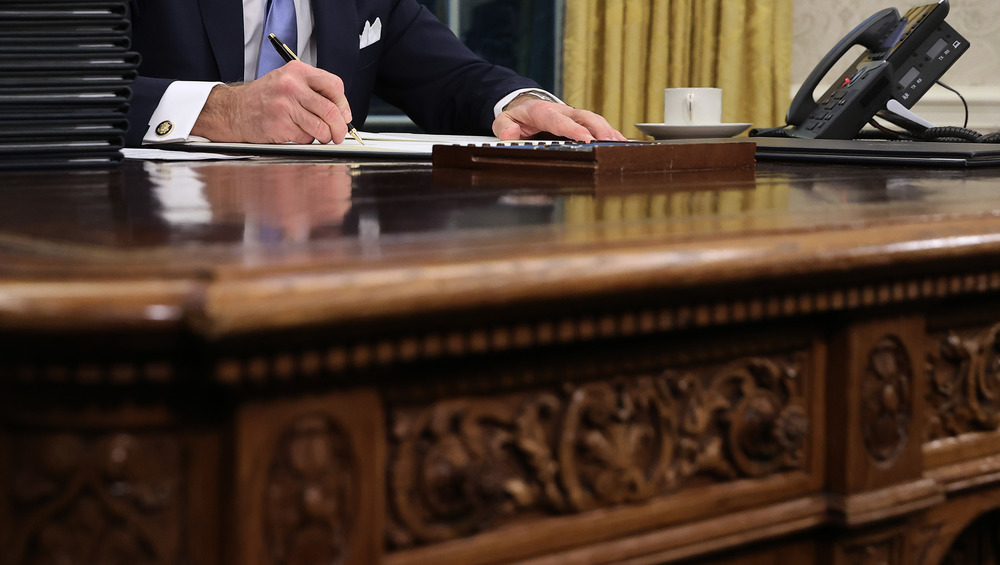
[[175, 45], [146, 91], [146, 94], [432, 76]]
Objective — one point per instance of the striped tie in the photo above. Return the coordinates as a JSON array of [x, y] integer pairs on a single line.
[[280, 21]]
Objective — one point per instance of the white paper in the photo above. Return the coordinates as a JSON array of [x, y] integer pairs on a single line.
[[174, 155], [398, 144]]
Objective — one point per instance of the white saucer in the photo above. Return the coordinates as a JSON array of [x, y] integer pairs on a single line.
[[670, 131]]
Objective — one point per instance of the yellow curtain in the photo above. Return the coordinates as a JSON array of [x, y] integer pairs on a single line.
[[619, 55]]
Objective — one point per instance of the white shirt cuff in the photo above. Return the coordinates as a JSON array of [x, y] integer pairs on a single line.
[[507, 99], [179, 108]]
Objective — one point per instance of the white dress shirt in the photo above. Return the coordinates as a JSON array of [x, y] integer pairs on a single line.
[[182, 102], [253, 34]]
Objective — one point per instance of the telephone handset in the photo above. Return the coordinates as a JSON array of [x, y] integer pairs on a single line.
[[871, 34], [904, 57]]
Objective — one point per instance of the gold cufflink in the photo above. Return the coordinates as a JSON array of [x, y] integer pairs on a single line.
[[165, 127]]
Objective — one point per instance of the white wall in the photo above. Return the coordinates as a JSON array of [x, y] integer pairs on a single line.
[[819, 24]]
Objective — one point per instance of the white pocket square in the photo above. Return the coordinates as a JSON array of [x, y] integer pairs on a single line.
[[371, 33]]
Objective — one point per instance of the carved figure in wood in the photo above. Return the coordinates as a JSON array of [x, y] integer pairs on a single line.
[[886, 403], [309, 495]]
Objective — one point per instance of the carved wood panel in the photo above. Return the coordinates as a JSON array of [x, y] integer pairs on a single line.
[[880, 545], [883, 553], [309, 494], [309, 480], [960, 530], [964, 374], [464, 465], [923, 538], [886, 403], [93, 499], [979, 544]]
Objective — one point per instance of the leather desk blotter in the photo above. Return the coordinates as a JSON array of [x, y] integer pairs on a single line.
[[599, 158]]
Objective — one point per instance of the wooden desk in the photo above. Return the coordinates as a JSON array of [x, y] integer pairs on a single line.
[[277, 362]]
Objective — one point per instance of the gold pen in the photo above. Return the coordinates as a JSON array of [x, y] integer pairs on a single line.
[[288, 55]]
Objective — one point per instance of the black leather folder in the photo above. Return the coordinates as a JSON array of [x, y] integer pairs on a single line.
[[875, 152], [102, 159], [65, 72], [70, 130], [35, 10], [58, 98]]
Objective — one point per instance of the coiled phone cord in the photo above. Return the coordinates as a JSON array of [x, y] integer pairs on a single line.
[[947, 134]]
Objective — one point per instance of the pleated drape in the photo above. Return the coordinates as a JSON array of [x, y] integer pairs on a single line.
[[619, 55]]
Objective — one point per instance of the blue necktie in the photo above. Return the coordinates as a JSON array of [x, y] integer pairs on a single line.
[[280, 21]]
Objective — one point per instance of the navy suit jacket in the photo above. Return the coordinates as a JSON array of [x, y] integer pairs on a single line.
[[418, 65]]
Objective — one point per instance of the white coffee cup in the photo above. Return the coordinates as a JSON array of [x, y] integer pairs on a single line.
[[692, 106]]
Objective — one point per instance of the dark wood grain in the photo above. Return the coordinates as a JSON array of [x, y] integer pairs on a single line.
[[279, 362]]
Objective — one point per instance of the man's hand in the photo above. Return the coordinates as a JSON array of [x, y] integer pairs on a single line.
[[296, 103], [527, 116]]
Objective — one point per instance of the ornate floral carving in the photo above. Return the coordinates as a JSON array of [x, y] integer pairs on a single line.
[[309, 495], [618, 443], [464, 465], [886, 403], [965, 384], [111, 499]]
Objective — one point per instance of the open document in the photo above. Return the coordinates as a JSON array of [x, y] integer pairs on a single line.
[[401, 145]]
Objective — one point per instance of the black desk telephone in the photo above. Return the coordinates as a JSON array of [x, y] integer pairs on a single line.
[[905, 56]]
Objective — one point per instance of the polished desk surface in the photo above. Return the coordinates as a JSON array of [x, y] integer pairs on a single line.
[[377, 238], [169, 272]]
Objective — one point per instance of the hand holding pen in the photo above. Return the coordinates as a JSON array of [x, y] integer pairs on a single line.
[[288, 55], [295, 103]]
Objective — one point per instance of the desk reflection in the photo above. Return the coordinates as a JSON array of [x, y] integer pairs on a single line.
[[272, 202], [278, 202]]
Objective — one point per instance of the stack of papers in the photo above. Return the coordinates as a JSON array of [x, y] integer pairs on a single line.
[[65, 71]]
